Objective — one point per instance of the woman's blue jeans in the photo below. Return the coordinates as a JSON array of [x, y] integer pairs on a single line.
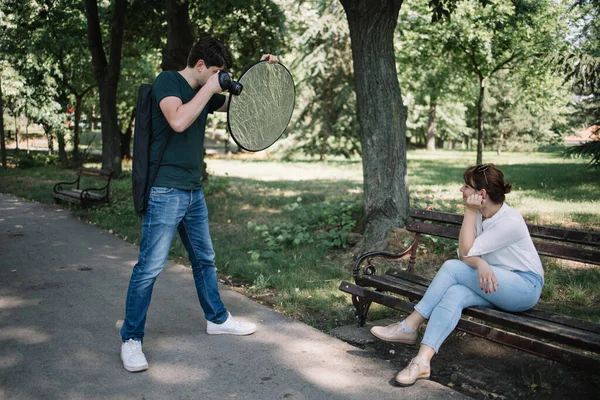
[[171, 210], [456, 286]]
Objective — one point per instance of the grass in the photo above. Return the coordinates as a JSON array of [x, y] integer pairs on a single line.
[[273, 238]]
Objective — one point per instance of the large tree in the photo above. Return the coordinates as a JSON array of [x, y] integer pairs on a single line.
[[437, 86], [107, 77], [2, 139], [48, 52], [381, 111], [505, 35], [381, 115]]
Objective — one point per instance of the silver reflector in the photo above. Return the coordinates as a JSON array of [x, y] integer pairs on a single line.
[[259, 115]]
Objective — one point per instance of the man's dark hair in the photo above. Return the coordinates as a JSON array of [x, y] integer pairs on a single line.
[[212, 51]]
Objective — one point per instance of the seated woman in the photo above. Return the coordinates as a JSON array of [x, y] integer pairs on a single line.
[[498, 267]]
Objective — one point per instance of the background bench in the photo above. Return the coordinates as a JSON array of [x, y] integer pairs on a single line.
[[84, 195], [544, 333]]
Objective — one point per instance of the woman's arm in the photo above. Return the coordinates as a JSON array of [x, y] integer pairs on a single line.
[[466, 238]]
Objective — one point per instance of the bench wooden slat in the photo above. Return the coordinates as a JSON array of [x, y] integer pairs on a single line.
[[431, 229], [544, 248], [567, 252], [497, 335], [534, 312], [438, 216], [536, 231], [564, 235], [95, 173], [551, 330]]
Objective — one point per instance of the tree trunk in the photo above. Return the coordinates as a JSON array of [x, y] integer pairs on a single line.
[[26, 127], [431, 127], [480, 122], [179, 38], [92, 113], [500, 142], [16, 132], [50, 140], [126, 137], [76, 134], [107, 77], [2, 139], [382, 123], [62, 151]]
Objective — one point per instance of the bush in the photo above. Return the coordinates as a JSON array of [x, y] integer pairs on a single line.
[[26, 160]]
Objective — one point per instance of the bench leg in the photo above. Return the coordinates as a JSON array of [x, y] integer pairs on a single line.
[[362, 309]]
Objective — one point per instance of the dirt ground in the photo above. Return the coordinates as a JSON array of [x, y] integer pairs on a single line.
[[485, 370]]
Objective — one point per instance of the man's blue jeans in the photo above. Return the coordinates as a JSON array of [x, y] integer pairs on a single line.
[[456, 286], [171, 210]]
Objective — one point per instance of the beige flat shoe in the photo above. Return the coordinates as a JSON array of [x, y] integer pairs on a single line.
[[412, 373], [394, 333]]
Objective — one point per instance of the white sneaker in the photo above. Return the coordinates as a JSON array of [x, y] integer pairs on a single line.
[[133, 358], [231, 326]]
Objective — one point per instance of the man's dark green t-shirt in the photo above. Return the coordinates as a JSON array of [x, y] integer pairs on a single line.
[[181, 166]]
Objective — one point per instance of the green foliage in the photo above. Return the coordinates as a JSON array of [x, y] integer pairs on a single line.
[[249, 28], [214, 184], [326, 224], [589, 149], [581, 68], [326, 123], [507, 38], [25, 160]]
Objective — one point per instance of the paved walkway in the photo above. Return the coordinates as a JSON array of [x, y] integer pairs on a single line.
[[62, 289]]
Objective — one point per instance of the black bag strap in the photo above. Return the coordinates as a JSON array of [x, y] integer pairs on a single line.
[[158, 161]]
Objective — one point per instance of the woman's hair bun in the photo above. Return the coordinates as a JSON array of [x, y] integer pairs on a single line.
[[507, 187]]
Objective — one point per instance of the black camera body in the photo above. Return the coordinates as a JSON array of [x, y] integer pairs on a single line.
[[229, 84]]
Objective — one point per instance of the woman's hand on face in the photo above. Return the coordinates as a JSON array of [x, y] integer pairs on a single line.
[[487, 279], [474, 201]]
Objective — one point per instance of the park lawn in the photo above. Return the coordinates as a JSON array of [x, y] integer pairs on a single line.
[[273, 239]]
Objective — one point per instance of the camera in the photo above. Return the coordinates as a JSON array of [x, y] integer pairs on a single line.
[[229, 84]]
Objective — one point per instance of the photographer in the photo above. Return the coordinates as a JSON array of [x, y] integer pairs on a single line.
[[181, 102]]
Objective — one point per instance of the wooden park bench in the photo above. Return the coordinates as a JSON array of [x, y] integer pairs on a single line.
[[555, 336], [84, 195]]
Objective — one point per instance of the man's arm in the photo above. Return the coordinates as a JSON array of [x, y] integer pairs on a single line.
[[223, 108], [180, 116]]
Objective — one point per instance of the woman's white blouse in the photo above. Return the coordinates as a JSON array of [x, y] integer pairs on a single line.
[[503, 241]]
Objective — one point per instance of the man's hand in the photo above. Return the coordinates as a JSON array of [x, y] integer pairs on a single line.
[[212, 84], [474, 202], [271, 59]]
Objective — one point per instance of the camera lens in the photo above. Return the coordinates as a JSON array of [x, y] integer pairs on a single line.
[[236, 88], [227, 83]]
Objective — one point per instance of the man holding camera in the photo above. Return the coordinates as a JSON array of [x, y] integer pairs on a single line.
[[181, 101]]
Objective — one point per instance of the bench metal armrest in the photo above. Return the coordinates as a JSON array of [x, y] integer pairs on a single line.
[[369, 268], [58, 187]]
